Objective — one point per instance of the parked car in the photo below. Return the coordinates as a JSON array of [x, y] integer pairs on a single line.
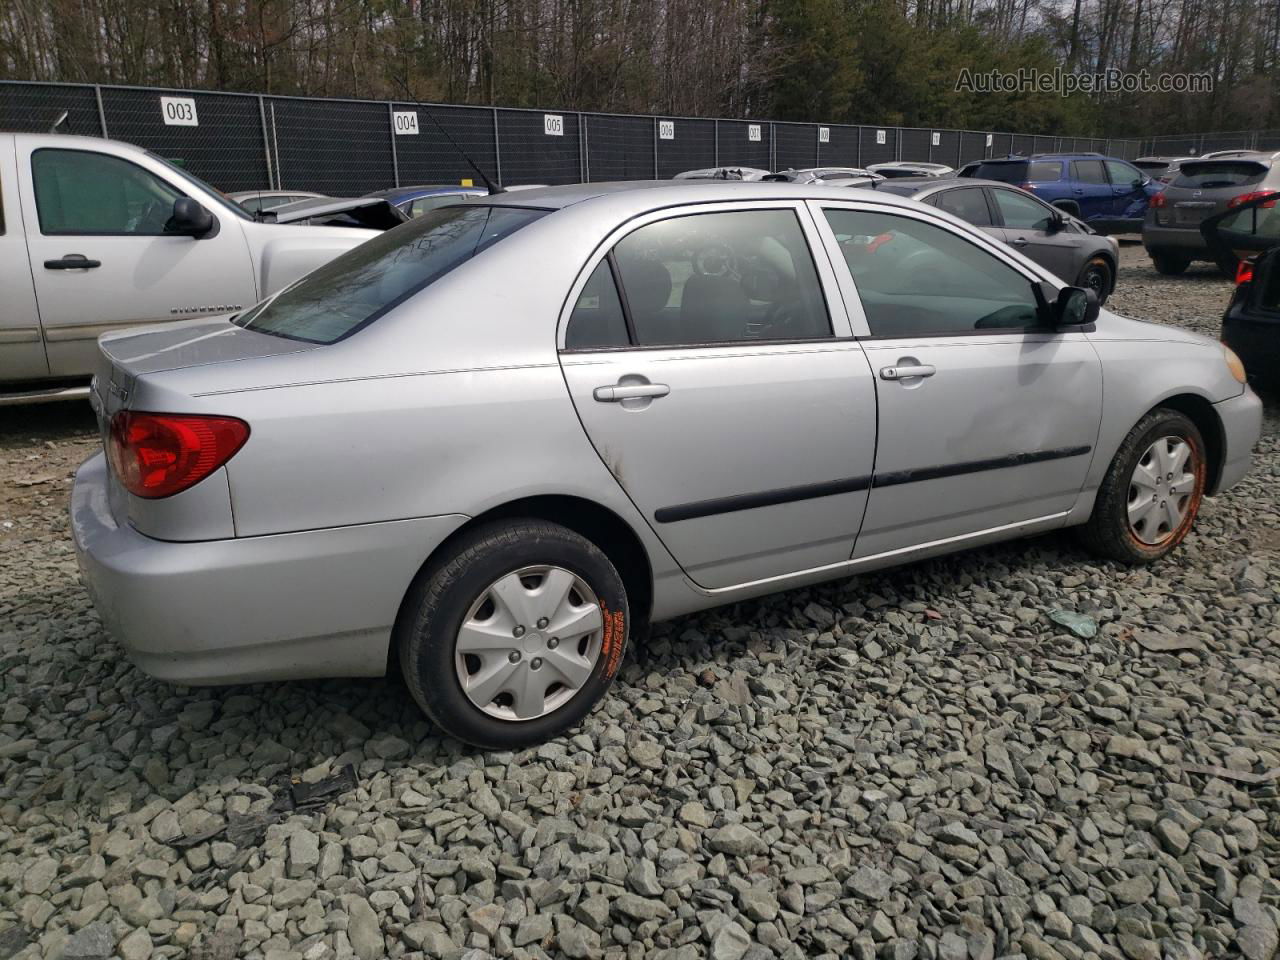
[[820, 175], [255, 201], [1161, 169], [497, 441], [1057, 241], [1202, 189], [102, 235], [911, 168], [415, 201], [1110, 195], [371, 213], [723, 173], [1248, 234]]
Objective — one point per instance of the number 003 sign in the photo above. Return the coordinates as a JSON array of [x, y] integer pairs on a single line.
[[179, 111]]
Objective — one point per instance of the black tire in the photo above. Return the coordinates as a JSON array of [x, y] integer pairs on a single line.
[[1098, 276], [1108, 532], [1169, 266], [442, 595]]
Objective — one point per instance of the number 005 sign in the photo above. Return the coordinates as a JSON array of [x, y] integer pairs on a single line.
[[179, 111]]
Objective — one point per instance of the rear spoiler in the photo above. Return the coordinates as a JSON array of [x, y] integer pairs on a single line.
[[376, 213]]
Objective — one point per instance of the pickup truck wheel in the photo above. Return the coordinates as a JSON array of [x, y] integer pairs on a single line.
[[515, 635], [1169, 266], [1096, 276], [1152, 491]]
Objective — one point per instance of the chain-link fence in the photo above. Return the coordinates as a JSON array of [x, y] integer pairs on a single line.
[[242, 141]]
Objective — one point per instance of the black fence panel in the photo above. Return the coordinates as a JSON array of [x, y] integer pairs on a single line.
[[796, 145], [33, 108], [224, 146], [532, 154], [427, 156], [947, 149], [1044, 145], [1001, 145], [1238, 141], [842, 148], [619, 148], [915, 145], [738, 149], [338, 147], [692, 146], [973, 146], [878, 144], [1023, 146]]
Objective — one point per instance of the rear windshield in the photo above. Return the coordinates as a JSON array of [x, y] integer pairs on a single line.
[[1219, 173], [1018, 171], [358, 287]]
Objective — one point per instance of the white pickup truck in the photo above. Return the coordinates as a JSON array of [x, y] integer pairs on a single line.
[[96, 235]]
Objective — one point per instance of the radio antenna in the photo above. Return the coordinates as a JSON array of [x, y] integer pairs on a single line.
[[484, 177]]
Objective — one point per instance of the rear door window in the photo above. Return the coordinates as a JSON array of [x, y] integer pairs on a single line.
[[721, 278], [357, 288], [1089, 171], [1219, 173], [598, 321], [967, 203]]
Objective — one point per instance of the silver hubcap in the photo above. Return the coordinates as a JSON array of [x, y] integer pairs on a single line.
[[1160, 489], [529, 643]]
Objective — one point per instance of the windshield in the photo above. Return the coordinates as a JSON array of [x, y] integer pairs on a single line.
[[223, 200], [1219, 173], [357, 288]]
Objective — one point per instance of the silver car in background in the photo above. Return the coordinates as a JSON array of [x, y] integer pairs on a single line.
[[911, 168], [1067, 247], [497, 441], [821, 175]]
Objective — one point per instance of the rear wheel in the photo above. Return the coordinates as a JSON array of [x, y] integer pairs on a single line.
[[1169, 266], [1151, 493], [1096, 276], [514, 636]]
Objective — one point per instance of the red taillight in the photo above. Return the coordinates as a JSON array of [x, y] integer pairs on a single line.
[[1255, 195], [1158, 200], [159, 454], [1244, 272]]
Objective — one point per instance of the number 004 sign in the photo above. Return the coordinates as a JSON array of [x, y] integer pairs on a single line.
[[406, 123], [179, 111]]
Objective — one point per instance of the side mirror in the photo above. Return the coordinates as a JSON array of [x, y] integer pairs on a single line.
[[1075, 307], [1056, 222], [1139, 182], [189, 219]]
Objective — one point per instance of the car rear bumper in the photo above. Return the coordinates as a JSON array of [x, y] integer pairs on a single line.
[[1183, 241], [1241, 419], [319, 603]]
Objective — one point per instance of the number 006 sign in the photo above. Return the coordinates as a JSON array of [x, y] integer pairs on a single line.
[[179, 111]]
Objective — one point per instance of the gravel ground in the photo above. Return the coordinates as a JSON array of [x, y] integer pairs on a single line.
[[919, 763]]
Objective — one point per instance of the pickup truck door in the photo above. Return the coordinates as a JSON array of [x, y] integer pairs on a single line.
[[21, 346], [100, 256]]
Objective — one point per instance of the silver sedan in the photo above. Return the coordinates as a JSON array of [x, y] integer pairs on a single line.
[[498, 441]]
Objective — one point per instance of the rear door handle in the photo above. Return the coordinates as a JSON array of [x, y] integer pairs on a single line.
[[72, 261], [908, 371], [630, 391]]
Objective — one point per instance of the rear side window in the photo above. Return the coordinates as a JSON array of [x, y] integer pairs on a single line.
[[721, 278], [968, 204], [358, 287], [1015, 172], [1089, 171], [1044, 171], [597, 320], [82, 193], [1219, 173]]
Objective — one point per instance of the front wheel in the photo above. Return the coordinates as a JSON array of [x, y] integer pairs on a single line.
[[515, 635], [1096, 276], [1151, 493]]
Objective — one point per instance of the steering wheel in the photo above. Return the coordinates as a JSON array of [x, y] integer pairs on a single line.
[[716, 260]]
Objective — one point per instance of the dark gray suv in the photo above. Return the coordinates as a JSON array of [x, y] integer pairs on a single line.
[[1203, 188]]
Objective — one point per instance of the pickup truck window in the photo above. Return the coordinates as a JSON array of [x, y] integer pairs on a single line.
[[80, 193], [352, 291]]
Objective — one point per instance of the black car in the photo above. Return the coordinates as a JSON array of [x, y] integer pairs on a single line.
[[1248, 237]]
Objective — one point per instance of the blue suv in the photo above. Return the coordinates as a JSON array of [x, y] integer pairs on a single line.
[[1110, 195]]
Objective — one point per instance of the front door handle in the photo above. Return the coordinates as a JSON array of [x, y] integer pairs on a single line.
[[72, 261], [1019, 241], [908, 371], [630, 391]]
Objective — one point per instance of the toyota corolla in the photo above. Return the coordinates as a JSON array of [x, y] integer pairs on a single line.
[[498, 441]]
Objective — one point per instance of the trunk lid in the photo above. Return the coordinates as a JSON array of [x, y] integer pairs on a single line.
[[1204, 188]]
